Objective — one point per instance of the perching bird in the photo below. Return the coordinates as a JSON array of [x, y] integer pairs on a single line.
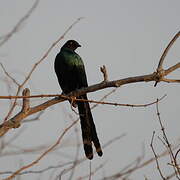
[[71, 75]]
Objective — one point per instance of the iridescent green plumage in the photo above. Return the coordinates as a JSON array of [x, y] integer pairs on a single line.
[[71, 75]]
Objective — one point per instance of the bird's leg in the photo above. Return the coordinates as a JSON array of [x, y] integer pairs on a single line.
[[73, 101], [73, 104]]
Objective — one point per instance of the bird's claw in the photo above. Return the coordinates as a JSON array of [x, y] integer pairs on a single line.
[[73, 102]]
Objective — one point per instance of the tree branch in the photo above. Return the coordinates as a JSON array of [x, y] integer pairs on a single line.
[[156, 157], [171, 69], [15, 121], [167, 50], [18, 25], [159, 68], [42, 155], [21, 85], [104, 71]]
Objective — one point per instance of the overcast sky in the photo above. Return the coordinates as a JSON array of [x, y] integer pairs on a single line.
[[126, 36]]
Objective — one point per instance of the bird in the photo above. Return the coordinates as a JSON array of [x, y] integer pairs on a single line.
[[71, 75]]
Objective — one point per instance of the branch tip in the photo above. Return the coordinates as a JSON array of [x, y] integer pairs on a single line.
[[163, 56], [104, 71], [26, 101]]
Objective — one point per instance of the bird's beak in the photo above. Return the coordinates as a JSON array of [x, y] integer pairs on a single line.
[[79, 45]]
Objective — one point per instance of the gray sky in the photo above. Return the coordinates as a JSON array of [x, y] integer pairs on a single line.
[[126, 36]]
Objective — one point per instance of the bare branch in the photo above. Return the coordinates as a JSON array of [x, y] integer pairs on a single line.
[[38, 171], [156, 157], [120, 104], [20, 86], [13, 105], [145, 163], [171, 80], [18, 25], [89, 176], [177, 154], [159, 68], [172, 68], [26, 105], [15, 121], [62, 165], [42, 155], [104, 71], [64, 97], [9, 76], [167, 144], [156, 76], [167, 50], [84, 159], [49, 50]]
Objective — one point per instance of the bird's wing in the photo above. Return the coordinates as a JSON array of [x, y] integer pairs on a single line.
[[77, 71]]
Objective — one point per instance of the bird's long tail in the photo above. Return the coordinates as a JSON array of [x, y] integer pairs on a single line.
[[88, 128]]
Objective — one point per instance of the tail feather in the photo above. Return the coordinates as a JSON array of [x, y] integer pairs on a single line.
[[95, 140], [88, 128]]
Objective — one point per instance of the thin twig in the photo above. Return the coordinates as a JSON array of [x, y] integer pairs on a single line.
[[9, 76], [14, 122], [18, 25], [171, 80], [81, 100], [92, 172], [42, 155], [84, 159], [49, 50], [20, 86], [177, 154], [104, 71], [171, 69], [145, 163], [156, 157], [38, 171], [19, 172], [104, 97], [120, 104], [159, 68], [167, 49], [168, 145]]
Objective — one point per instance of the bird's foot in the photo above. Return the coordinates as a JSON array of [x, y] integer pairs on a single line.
[[73, 102]]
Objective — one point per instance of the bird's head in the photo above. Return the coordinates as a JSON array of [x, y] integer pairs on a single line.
[[71, 44]]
